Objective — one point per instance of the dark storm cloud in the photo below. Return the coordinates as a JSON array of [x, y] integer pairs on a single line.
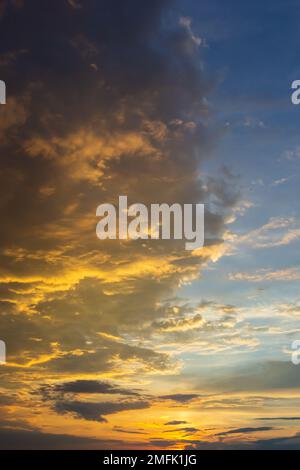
[[96, 411]]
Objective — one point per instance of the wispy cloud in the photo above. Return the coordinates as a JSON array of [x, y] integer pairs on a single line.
[[288, 274]]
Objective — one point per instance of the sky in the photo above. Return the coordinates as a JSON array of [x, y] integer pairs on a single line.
[[140, 344]]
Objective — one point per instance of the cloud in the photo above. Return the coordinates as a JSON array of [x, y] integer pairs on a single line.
[[96, 411], [187, 430], [292, 154], [288, 274], [11, 439], [164, 443], [278, 231], [180, 324], [175, 423], [245, 430], [6, 4], [280, 181], [187, 25], [279, 418], [270, 375], [56, 394], [280, 443], [89, 387], [75, 4], [128, 431], [180, 397], [12, 117], [114, 102]]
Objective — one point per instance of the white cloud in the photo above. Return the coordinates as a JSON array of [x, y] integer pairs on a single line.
[[278, 231], [292, 154], [288, 274], [187, 24], [280, 181]]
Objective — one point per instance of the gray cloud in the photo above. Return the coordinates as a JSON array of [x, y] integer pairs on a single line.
[[175, 423], [165, 443], [280, 418], [11, 439], [89, 387], [280, 443], [245, 430], [128, 431], [180, 397], [263, 376], [96, 411], [186, 430]]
